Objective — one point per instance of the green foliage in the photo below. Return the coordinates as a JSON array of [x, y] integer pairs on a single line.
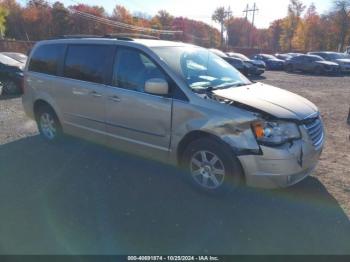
[[3, 15]]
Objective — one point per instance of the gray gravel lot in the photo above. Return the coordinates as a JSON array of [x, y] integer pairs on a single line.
[[332, 96], [80, 198]]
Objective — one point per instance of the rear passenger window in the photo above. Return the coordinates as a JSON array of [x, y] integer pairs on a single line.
[[132, 69], [88, 62], [45, 59]]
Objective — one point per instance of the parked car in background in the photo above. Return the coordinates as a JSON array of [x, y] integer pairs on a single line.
[[235, 62], [311, 64], [294, 54], [272, 63], [22, 58], [341, 59], [347, 50], [283, 57], [11, 75], [258, 68]]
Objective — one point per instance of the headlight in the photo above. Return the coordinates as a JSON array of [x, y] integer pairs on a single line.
[[19, 74], [275, 132]]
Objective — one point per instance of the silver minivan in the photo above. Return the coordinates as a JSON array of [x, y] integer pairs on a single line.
[[174, 102]]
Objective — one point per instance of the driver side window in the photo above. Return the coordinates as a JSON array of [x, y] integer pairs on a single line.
[[132, 69]]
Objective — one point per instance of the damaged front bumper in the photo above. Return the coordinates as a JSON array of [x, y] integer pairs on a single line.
[[283, 166]]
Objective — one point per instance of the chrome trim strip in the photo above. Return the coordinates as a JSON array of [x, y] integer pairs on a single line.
[[114, 125], [118, 137]]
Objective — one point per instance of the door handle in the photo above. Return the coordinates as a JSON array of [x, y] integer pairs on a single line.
[[95, 94], [115, 98]]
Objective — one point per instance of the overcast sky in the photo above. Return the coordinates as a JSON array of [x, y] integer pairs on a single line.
[[269, 10]]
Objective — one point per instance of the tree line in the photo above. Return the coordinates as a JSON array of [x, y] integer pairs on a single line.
[[302, 29]]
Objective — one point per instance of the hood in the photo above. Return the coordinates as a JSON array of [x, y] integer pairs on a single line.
[[272, 100], [342, 61], [327, 63]]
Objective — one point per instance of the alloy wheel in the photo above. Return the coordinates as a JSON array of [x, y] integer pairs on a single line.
[[207, 169], [47, 126]]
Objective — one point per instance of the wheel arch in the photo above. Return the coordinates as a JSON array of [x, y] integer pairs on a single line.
[[195, 135], [39, 103]]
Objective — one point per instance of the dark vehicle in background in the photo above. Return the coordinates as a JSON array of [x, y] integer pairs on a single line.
[[294, 54], [347, 50], [342, 60], [237, 63], [258, 68], [272, 63], [11, 75], [311, 64], [283, 57]]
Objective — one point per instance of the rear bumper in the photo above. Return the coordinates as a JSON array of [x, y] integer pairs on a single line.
[[282, 166]]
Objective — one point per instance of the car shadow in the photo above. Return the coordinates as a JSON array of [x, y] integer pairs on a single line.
[[80, 198]]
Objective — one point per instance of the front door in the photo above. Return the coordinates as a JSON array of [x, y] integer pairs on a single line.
[[137, 120]]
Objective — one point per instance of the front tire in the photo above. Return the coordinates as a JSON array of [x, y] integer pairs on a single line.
[[212, 166], [48, 124]]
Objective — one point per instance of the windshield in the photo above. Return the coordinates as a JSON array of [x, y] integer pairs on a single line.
[[269, 57], [240, 56], [9, 61], [337, 56], [17, 56], [200, 68], [316, 58]]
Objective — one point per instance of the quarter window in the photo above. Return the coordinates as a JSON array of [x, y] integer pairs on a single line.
[[132, 69], [89, 63], [45, 59]]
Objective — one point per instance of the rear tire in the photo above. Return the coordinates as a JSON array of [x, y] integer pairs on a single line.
[[48, 124], [10, 87], [212, 167]]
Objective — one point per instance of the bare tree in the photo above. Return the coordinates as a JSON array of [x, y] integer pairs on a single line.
[[342, 19], [220, 16]]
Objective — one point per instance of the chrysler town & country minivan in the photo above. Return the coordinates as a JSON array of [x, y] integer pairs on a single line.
[[175, 102]]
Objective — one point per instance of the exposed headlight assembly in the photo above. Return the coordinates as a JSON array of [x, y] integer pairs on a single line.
[[275, 132]]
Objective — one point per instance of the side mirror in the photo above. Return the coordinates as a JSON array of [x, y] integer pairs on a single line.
[[157, 86]]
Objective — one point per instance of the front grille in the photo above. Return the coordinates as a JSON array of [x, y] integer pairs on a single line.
[[314, 128]]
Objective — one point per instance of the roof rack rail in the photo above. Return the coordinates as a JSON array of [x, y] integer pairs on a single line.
[[130, 37], [121, 36], [78, 36]]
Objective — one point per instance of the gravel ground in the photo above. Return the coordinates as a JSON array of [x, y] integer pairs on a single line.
[[80, 198], [332, 96]]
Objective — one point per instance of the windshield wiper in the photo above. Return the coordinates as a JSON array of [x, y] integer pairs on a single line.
[[228, 85]]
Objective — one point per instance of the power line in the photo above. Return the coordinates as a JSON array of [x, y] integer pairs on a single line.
[[122, 25]]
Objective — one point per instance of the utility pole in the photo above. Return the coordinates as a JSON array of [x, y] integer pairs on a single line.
[[247, 11], [255, 9], [228, 15]]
